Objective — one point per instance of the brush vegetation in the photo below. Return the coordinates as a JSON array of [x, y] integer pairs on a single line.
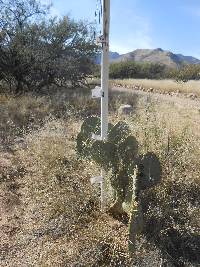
[[148, 70], [50, 213], [39, 51]]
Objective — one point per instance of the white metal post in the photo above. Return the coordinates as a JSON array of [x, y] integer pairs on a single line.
[[104, 86], [105, 69], [103, 92]]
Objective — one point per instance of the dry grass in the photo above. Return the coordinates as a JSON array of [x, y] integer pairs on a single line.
[[172, 213], [50, 213], [22, 114], [160, 86]]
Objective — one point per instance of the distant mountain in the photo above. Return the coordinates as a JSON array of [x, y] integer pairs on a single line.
[[112, 56], [154, 56], [189, 59]]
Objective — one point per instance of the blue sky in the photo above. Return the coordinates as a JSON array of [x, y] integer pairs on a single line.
[[169, 24]]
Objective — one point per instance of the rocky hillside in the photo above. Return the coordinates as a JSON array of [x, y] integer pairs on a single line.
[[156, 56]]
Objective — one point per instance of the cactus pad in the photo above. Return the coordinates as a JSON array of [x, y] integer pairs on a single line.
[[83, 145], [104, 154], [84, 139], [118, 132], [128, 150], [91, 125]]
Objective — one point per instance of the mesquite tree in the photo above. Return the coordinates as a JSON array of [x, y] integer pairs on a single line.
[[37, 50]]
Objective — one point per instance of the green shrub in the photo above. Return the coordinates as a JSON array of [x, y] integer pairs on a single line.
[[131, 69], [187, 72]]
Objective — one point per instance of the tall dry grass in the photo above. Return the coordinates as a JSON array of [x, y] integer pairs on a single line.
[[51, 213], [171, 210], [160, 86]]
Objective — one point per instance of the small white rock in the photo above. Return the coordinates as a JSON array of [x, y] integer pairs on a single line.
[[125, 109]]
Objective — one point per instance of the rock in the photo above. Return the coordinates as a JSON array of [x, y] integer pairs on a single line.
[[125, 109]]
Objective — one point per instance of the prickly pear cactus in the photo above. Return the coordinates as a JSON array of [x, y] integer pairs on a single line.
[[128, 149], [135, 225], [118, 132], [147, 174], [130, 173], [104, 154], [92, 125]]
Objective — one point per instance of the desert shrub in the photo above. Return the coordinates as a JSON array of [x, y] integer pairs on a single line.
[[186, 73], [39, 51], [21, 114], [82, 105], [135, 70], [131, 69]]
